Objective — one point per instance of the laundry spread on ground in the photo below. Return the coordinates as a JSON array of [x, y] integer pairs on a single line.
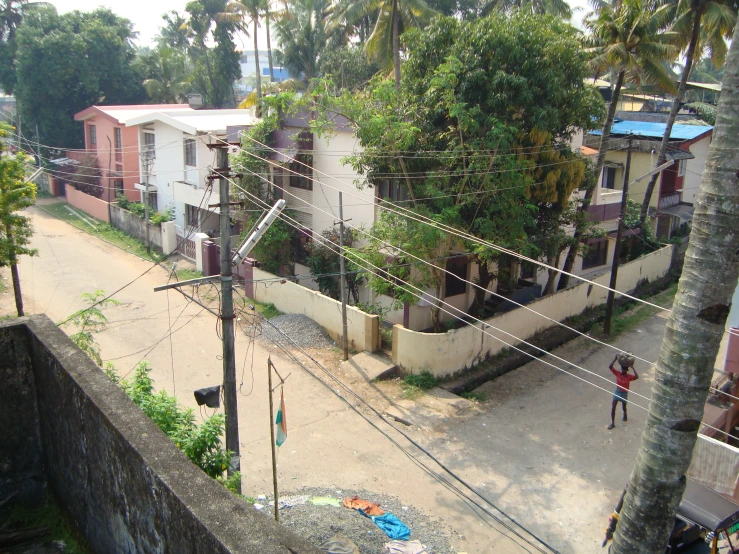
[[370, 508], [325, 501], [390, 524], [290, 501], [405, 547]]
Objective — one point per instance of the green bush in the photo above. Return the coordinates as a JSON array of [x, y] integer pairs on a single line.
[[157, 218], [423, 380]]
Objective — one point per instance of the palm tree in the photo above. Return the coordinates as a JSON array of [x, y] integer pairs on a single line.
[[628, 39], [393, 16], [558, 8], [11, 17], [170, 85], [692, 337], [701, 25], [267, 17], [237, 12], [302, 37]]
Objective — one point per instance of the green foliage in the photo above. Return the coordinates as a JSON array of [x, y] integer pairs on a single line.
[[473, 396], [166, 73], [91, 52], [348, 66], [302, 37], [16, 194], [200, 443], [214, 68], [274, 251], [90, 320], [324, 264], [423, 380], [138, 208]]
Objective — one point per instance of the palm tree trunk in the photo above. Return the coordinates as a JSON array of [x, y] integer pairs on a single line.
[[396, 43], [269, 50], [256, 64], [564, 279], [14, 271], [673, 112], [692, 337]]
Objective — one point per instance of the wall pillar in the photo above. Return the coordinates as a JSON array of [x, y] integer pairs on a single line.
[[169, 237], [198, 238]]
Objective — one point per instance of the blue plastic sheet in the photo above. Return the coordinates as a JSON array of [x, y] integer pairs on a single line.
[[391, 525]]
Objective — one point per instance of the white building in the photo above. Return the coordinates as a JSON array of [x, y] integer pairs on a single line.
[[182, 160], [249, 71]]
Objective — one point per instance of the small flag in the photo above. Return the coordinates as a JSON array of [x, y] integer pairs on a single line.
[[281, 422]]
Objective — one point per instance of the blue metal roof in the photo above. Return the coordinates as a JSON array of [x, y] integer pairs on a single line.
[[656, 130]]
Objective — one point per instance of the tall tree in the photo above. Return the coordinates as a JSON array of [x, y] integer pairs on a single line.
[[393, 17], [66, 63], [700, 25], [626, 37], [241, 13], [691, 342], [16, 194], [174, 33], [215, 69], [302, 37], [166, 74], [558, 8]]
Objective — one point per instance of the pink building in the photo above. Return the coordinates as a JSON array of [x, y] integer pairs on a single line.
[[116, 146]]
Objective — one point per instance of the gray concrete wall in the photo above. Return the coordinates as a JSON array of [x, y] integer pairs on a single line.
[[21, 468], [122, 482], [133, 225]]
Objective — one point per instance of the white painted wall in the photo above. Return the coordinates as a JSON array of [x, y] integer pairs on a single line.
[[177, 184], [358, 204], [694, 170]]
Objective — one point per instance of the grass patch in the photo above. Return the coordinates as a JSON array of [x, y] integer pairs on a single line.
[[51, 517], [100, 229], [628, 318], [186, 274], [473, 396], [416, 384], [268, 311]]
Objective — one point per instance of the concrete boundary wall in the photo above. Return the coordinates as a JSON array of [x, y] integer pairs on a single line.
[[89, 204], [133, 225], [122, 482], [445, 354], [291, 298]]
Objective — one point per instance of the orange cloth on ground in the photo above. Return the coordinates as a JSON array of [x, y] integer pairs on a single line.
[[370, 508]]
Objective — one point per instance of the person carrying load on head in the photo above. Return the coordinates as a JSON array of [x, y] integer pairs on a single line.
[[623, 380]]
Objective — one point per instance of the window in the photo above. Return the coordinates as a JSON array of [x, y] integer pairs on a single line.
[[300, 241], [609, 178], [149, 145], [392, 190], [527, 270], [596, 254], [457, 273], [192, 214], [190, 158], [118, 185], [303, 165], [681, 168], [93, 135], [118, 138]]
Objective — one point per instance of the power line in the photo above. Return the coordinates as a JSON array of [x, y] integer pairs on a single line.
[[421, 294]]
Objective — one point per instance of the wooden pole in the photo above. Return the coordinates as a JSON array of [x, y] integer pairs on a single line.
[[272, 437], [342, 264]]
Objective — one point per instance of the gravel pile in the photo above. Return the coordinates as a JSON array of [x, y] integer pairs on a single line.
[[300, 328], [319, 523]]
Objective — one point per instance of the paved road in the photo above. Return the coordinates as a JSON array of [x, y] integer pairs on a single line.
[[538, 447]]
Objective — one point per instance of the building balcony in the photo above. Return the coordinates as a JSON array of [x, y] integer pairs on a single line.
[[669, 200]]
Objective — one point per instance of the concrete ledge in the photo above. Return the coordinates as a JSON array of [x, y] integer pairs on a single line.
[[122, 482]]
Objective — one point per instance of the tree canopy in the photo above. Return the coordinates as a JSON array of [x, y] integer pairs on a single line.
[[68, 62]]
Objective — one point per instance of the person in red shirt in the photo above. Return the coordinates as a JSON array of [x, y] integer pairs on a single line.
[[623, 380]]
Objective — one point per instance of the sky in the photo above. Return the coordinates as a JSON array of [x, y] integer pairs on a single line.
[[146, 14]]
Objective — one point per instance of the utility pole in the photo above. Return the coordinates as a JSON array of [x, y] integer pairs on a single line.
[[147, 157], [617, 248], [342, 265], [227, 317]]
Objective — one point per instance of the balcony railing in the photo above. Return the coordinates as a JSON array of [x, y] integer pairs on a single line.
[[603, 212], [669, 200]]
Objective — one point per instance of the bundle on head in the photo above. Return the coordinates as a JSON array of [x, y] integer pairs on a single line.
[[626, 360]]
